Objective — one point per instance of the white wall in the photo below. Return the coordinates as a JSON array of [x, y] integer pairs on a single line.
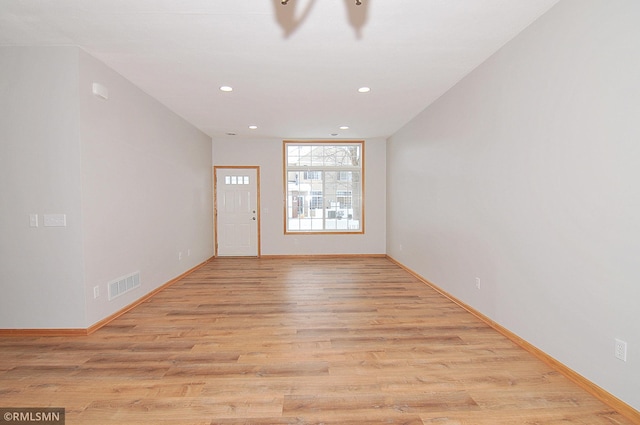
[[146, 189], [40, 268], [133, 179], [267, 153], [526, 175]]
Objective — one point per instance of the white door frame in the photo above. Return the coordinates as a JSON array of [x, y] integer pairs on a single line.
[[215, 200]]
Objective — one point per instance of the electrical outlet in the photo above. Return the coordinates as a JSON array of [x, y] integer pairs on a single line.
[[96, 292], [621, 350], [477, 282]]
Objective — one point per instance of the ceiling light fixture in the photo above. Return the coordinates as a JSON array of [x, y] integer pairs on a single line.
[[253, 127], [344, 127], [364, 89], [226, 88], [284, 2]]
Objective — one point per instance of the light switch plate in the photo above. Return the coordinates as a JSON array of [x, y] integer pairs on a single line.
[[33, 220], [55, 220]]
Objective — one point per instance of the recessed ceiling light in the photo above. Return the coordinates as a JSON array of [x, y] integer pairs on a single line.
[[226, 88], [231, 134], [344, 127], [334, 134], [253, 127], [364, 89]]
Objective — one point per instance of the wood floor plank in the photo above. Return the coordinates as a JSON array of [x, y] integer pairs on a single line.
[[294, 341]]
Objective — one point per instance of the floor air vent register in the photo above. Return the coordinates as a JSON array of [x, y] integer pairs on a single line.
[[123, 285]]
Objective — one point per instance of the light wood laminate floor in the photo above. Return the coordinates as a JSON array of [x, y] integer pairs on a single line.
[[293, 341]]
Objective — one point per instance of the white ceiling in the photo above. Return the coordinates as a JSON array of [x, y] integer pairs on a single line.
[[295, 69]]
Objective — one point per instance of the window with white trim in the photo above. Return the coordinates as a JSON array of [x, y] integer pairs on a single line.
[[324, 187]]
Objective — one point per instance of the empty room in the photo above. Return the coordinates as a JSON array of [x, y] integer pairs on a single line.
[[320, 212]]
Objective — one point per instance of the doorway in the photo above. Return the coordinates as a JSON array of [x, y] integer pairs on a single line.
[[237, 211]]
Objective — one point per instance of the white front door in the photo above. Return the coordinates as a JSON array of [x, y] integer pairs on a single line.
[[237, 211]]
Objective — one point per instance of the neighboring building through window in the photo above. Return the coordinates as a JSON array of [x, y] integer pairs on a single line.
[[313, 175], [324, 187]]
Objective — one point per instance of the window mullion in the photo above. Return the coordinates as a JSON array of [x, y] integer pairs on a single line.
[[324, 200]]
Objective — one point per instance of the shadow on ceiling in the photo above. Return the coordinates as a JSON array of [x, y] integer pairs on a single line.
[[291, 19]]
